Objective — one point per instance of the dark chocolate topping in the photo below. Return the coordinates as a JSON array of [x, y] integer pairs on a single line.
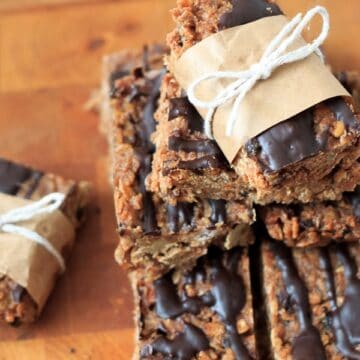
[[209, 147], [307, 345], [13, 175], [145, 149], [288, 142], [218, 211], [169, 305], [184, 347], [344, 319], [227, 295], [214, 157], [246, 11], [343, 112], [180, 215], [149, 218], [203, 163], [182, 107]]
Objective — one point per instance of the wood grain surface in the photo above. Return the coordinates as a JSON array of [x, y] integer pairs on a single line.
[[50, 52]]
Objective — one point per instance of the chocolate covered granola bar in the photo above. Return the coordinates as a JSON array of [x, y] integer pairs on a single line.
[[154, 234], [312, 156], [311, 298], [16, 304], [204, 313], [318, 223]]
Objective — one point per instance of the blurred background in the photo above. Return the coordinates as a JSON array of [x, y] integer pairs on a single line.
[[50, 56]]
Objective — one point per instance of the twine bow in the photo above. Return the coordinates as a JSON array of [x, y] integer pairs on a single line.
[[274, 56], [45, 205]]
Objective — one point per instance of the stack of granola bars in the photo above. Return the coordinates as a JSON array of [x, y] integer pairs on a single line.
[[186, 217]]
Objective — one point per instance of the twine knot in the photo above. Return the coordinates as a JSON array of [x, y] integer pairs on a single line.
[[275, 55]]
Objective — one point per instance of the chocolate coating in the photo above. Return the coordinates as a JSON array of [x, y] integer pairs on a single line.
[[307, 345], [13, 175], [288, 142], [246, 11]]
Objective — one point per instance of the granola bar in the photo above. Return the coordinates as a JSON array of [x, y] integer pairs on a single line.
[[204, 313], [312, 156], [154, 234], [311, 296], [16, 305]]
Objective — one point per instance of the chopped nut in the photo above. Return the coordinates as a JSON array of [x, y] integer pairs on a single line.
[[242, 326], [338, 129]]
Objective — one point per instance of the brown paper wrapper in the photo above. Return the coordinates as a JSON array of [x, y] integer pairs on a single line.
[[27, 263], [290, 90]]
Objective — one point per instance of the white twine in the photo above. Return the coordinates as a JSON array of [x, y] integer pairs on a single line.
[[45, 205], [273, 57]]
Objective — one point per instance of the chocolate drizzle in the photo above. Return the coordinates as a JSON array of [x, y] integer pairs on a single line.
[[182, 107], [227, 295], [149, 217], [169, 305], [214, 158], [185, 346], [307, 345], [246, 11], [145, 150], [209, 147], [180, 215], [12, 176], [218, 211], [344, 319]]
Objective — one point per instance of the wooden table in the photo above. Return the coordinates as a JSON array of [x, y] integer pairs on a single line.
[[50, 51]]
